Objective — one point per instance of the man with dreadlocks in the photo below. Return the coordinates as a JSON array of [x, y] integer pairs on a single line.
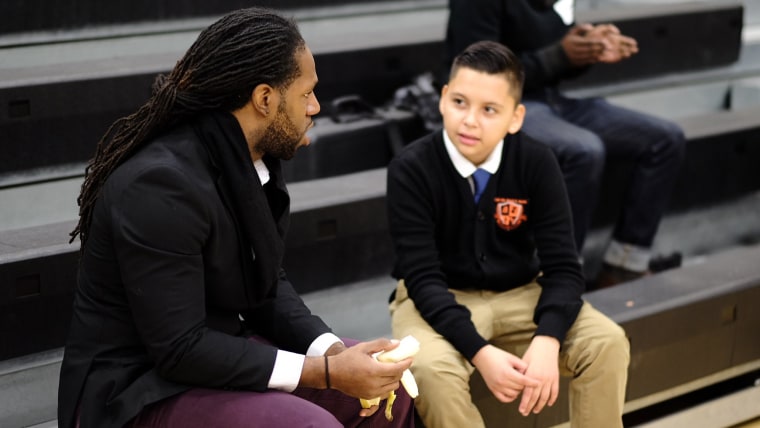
[[183, 316]]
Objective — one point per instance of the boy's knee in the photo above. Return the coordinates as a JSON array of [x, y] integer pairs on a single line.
[[439, 371], [615, 346], [424, 367]]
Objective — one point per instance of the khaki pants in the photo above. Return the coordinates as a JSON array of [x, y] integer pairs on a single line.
[[595, 353]]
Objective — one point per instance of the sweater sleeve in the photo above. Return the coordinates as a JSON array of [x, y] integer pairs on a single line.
[[562, 279], [412, 227], [546, 67]]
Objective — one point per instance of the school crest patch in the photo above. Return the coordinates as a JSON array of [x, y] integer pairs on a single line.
[[510, 212]]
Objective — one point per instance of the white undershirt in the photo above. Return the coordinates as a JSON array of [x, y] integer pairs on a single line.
[[288, 365], [262, 171], [566, 10]]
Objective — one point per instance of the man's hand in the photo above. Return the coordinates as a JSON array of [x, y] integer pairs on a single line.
[[503, 373], [582, 47], [354, 372], [541, 359], [336, 348], [587, 44], [617, 45]]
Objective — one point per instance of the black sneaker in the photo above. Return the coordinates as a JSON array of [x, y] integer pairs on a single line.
[[611, 275], [660, 263]]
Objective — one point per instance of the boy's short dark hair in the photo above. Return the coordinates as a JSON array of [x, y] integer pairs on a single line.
[[492, 58]]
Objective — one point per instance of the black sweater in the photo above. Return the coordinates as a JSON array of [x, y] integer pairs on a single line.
[[442, 240], [532, 32]]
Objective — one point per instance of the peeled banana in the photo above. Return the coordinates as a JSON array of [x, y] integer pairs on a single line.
[[407, 347]]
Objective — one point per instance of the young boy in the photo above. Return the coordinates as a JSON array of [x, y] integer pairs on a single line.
[[492, 260]]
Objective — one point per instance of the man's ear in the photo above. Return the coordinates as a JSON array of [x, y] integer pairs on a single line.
[[264, 99], [517, 119]]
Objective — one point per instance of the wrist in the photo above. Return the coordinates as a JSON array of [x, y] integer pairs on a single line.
[[327, 373], [479, 356], [314, 373], [547, 341]]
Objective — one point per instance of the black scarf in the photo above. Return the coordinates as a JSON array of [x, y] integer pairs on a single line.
[[542, 5], [261, 237]]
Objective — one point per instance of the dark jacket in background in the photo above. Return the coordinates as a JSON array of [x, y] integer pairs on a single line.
[[531, 29]]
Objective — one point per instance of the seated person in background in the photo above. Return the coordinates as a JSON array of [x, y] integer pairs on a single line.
[[582, 132], [489, 277], [182, 216]]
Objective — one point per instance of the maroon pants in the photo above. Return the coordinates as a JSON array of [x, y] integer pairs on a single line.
[[304, 408]]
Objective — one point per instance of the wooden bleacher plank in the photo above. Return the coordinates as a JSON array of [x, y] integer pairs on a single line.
[[671, 317], [154, 52], [49, 23], [386, 49], [29, 389], [338, 190], [30, 242], [726, 411]]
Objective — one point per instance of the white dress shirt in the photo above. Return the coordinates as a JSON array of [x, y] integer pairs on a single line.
[[288, 365]]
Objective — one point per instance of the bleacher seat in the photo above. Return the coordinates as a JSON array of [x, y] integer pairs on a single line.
[[59, 97]]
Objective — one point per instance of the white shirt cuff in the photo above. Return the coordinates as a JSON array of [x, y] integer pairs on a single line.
[[288, 365], [321, 344], [287, 371]]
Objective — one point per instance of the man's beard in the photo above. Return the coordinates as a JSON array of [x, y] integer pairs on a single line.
[[281, 138]]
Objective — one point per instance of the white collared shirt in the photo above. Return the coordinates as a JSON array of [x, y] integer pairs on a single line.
[[262, 171], [464, 167], [288, 365]]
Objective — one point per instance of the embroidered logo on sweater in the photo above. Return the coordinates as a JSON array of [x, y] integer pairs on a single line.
[[510, 212]]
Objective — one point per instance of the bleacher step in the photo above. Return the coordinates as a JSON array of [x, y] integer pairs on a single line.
[[29, 389], [358, 310], [726, 411]]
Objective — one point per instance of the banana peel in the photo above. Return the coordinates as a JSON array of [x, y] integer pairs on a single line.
[[407, 347]]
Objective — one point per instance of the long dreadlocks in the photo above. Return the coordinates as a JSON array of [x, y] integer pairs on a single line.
[[229, 59]]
